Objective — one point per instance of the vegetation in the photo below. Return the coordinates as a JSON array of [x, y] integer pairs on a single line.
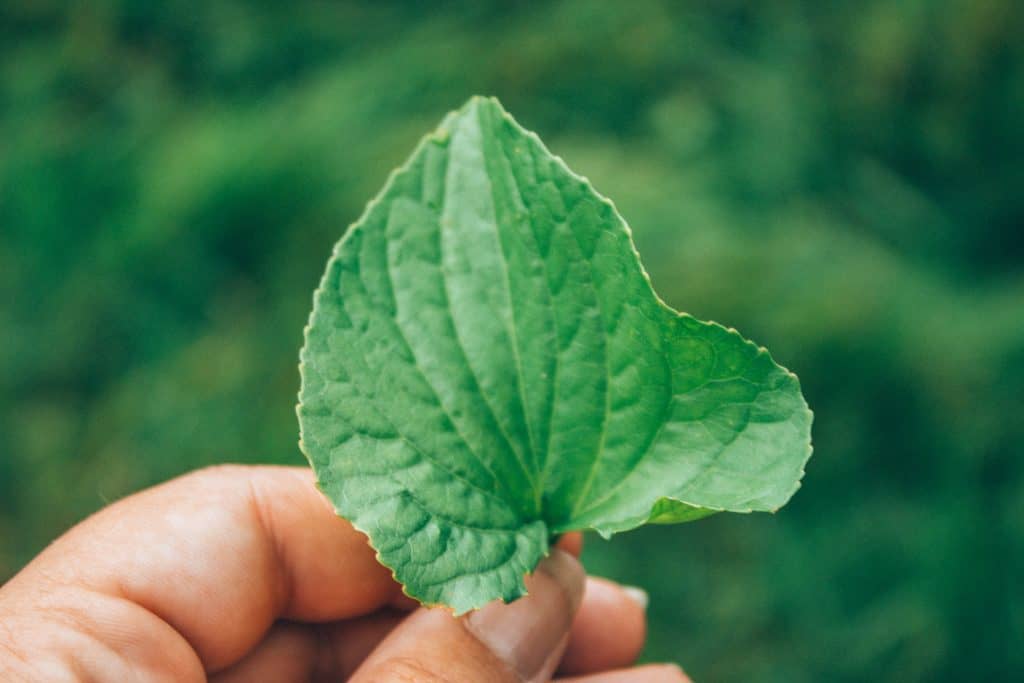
[[486, 367], [841, 181]]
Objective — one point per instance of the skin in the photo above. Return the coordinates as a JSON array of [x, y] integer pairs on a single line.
[[245, 573]]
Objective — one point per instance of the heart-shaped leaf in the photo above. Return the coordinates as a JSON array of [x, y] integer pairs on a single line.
[[487, 366]]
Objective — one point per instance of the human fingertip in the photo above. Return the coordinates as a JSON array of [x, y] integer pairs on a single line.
[[529, 634], [500, 642], [568, 573], [608, 632], [671, 673], [650, 673], [637, 595], [571, 543]]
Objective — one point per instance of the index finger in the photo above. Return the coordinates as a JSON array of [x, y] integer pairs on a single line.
[[218, 555]]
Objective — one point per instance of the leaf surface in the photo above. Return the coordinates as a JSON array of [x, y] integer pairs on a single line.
[[487, 366]]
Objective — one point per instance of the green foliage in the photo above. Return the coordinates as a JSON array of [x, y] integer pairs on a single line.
[[839, 180], [486, 365]]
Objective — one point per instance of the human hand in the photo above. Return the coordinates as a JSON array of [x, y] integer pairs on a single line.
[[246, 574]]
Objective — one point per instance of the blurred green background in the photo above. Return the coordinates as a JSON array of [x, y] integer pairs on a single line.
[[842, 181]]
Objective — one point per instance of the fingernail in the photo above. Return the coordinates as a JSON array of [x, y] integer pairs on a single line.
[[637, 595], [530, 632], [677, 671]]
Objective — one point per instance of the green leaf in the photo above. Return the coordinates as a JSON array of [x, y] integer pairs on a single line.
[[487, 366]]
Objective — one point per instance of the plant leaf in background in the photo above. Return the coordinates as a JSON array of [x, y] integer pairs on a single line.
[[487, 366]]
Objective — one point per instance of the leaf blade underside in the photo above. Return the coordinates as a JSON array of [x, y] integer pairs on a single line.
[[486, 365]]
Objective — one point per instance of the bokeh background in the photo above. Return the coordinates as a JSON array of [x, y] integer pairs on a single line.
[[842, 181]]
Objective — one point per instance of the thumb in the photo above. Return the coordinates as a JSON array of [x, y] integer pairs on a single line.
[[499, 643]]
